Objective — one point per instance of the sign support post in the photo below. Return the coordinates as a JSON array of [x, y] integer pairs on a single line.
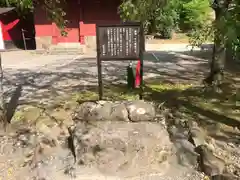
[[99, 64], [142, 49]]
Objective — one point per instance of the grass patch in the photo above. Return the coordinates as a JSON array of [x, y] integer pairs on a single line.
[[111, 92], [84, 96], [170, 87], [26, 113], [18, 115]]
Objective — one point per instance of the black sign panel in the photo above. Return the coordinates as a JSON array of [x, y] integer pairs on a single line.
[[119, 42]]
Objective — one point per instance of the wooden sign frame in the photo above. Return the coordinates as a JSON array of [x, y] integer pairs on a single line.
[[119, 42]]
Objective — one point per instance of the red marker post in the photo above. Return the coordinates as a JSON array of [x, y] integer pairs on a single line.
[[137, 75]]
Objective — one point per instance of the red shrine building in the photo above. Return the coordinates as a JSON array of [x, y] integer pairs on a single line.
[[82, 17]]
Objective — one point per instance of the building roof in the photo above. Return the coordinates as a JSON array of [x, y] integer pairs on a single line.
[[5, 10]]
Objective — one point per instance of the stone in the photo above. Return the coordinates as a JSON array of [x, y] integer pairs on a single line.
[[79, 129], [177, 133], [209, 163], [25, 138], [117, 143], [109, 112], [83, 110], [119, 113], [116, 146], [70, 171], [185, 148], [232, 171], [48, 141], [110, 159], [115, 111], [101, 112], [186, 153], [43, 128], [224, 177], [140, 111], [197, 134], [89, 111], [49, 134]]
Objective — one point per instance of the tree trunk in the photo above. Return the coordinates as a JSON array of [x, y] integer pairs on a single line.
[[152, 27], [216, 74], [229, 52], [219, 57]]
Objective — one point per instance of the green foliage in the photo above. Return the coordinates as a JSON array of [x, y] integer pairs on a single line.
[[227, 28], [56, 14], [232, 26], [164, 16], [198, 36], [52, 7], [158, 16], [196, 18], [195, 13], [167, 19]]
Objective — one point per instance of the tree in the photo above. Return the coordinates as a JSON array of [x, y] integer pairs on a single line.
[[221, 39], [158, 16], [226, 37]]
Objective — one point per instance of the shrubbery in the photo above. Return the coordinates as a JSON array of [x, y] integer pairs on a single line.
[[164, 17]]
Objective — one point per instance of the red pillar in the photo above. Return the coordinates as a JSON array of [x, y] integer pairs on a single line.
[[54, 34], [81, 35], [81, 24]]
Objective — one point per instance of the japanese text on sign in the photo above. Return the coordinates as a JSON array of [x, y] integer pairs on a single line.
[[119, 42]]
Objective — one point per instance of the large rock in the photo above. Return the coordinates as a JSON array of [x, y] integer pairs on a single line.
[[115, 111], [114, 139], [127, 148], [185, 149]]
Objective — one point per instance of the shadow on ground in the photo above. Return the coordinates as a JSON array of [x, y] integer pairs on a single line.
[[217, 113], [76, 76], [53, 87], [220, 108]]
